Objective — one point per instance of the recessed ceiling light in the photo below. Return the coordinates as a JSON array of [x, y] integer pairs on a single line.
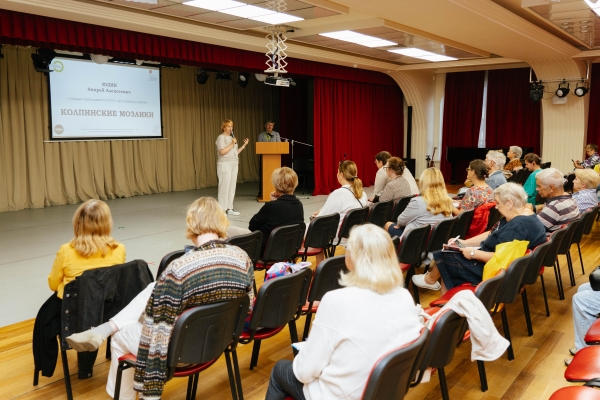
[[358, 38], [422, 54], [276, 18], [248, 11], [214, 5], [243, 10]]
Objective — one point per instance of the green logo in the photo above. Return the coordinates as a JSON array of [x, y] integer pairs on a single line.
[[58, 66]]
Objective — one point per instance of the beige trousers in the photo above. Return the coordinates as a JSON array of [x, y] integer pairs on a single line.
[[227, 173]]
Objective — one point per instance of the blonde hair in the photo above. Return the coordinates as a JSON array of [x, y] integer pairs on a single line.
[[433, 191], [225, 123], [350, 172], [375, 261], [205, 215], [285, 180], [92, 225], [589, 177]]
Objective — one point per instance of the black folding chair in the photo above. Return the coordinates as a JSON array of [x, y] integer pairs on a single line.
[[283, 245], [379, 213], [463, 222], [393, 373], [326, 278], [587, 218], [399, 207], [251, 243], [201, 334], [494, 217], [168, 259], [358, 216], [531, 275], [409, 255], [565, 246], [319, 236], [439, 235]]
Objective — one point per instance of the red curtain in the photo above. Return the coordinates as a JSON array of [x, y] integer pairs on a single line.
[[38, 31], [513, 119], [463, 100], [593, 130], [358, 120]]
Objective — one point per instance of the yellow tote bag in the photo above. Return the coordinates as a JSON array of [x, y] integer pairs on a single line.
[[505, 254]]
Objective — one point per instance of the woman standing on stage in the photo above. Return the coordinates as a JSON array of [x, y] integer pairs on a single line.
[[227, 165]]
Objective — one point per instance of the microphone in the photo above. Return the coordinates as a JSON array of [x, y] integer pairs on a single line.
[[232, 135]]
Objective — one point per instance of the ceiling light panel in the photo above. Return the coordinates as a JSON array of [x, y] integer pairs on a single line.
[[358, 38], [242, 10], [248, 11], [594, 5], [276, 18], [422, 54], [214, 5]]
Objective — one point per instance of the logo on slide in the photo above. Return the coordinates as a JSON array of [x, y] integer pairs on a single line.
[[58, 129], [58, 66]]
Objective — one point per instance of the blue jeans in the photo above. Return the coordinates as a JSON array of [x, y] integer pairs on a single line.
[[586, 307], [283, 382]]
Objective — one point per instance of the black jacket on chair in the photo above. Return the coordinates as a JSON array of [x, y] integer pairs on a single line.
[[286, 210]]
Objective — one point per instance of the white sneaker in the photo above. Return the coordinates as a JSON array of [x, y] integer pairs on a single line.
[[231, 211], [85, 341], [419, 280]]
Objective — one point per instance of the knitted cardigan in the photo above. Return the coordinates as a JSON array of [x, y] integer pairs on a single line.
[[214, 272]]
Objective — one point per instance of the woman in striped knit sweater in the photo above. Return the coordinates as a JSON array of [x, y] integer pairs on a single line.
[[210, 272]]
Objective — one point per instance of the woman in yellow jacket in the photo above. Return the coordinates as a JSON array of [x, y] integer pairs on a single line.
[[91, 247]]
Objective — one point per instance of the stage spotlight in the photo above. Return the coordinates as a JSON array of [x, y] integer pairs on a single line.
[[260, 77], [42, 60], [536, 92], [224, 75], [202, 77], [243, 79], [292, 83], [563, 90], [580, 91]]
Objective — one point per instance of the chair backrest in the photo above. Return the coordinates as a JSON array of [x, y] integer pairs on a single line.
[[358, 216], [393, 372], [493, 218], [399, 206], [396, 243], [326, 278], [585, 221], [446, 333], [513, 280], [284, 242], [279, 300], [565, 244], [546, 165], [440, 234], [251, 243], [168, 259], [487, 291], [463, 222], [590, 224], [556, 239], [537, 261], [321, 231], [202, 333], [480, 219], [413, 244], [378, 214]]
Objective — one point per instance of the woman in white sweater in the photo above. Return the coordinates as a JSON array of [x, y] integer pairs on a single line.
[[354, 327]]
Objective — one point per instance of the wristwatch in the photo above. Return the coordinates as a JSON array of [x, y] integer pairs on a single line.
[[472, 252]]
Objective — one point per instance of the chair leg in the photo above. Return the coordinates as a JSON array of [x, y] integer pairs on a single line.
[[190, 384], [511, 354], [558, 280], [545, 297], [570, 266], [122, 367], [65, 363], [443, 384], [36, 376], [293, 335], [482, 375], [108, 353], [255, 351], [230, 374], [238, 379], [254, 286], [580, 259], [195, 386], [307, 325], [526, 311]]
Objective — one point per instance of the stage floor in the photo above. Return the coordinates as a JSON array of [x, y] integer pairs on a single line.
[[149, 227]]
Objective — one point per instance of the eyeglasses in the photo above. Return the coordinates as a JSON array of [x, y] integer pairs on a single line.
[[469, 169], [385, 168]]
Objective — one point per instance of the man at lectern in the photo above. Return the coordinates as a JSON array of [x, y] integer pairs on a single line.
[[269, 135]]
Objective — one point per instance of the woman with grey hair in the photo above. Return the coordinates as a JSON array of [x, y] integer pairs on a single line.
[[518, 223], [514, 155]]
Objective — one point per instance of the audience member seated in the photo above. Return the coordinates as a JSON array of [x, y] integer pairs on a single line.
[[494, 160], [585, 184], [396, 186], [432, 206], [591, 150], [477, 194], [532, 163], [559, 207], [210, 272], [372, 315], [381, 177], [518, 223], [514, 155], [283, 209], [91, 247]]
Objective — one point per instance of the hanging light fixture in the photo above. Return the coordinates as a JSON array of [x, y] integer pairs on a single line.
[[563, 90], [581, 90], [537, 91]]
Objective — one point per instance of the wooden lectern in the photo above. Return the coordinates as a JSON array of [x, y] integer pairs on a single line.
[[271, 160]]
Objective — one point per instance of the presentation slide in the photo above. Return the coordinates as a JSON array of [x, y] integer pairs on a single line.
[[104, 101]]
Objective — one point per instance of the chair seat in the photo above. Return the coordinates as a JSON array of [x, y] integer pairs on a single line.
[[450, 293], [262, 333], [404, 267], [593, 334], [312, 251], [585, 365], [576, 393], [313, 310], [260, 265], [188, 370]]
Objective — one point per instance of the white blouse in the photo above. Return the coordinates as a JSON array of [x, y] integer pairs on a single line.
[[341, 201]]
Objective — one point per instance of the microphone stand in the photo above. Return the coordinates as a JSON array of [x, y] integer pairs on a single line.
[[302, 143]]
